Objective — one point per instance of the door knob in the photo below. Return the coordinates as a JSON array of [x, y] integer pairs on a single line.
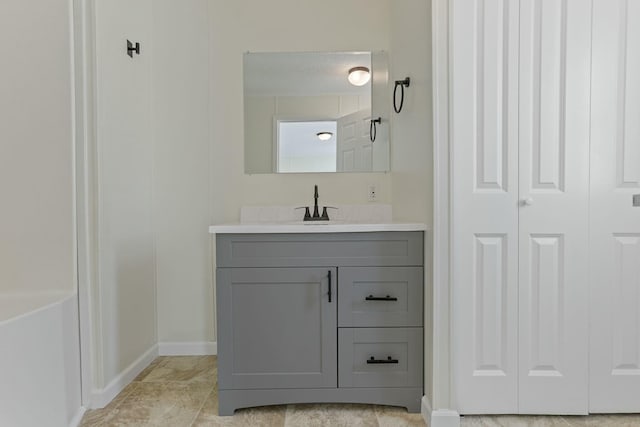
[[527, 202]]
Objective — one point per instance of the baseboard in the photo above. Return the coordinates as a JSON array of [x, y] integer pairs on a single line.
[[440, 417], [77, 418], [202, 348], [101, 398], [425, 410]]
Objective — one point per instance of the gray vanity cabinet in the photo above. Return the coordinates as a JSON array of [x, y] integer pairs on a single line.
[[320, 317]]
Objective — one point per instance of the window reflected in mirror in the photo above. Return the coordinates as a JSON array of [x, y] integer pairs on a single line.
[[306, 146]]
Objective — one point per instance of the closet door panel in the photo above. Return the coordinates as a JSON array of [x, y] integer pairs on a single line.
[[484, 197], [614, 221], [553, 229]]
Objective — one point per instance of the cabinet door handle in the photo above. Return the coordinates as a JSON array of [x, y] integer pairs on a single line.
[[388, 360], [329, 285], [387, 298]]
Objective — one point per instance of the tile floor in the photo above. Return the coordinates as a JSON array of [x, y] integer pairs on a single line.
[[182, 392]]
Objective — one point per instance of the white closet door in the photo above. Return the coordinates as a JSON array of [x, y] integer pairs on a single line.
[[554, 183], [484, 183], [614, 223]]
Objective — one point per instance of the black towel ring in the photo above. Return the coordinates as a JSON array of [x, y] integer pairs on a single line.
[[373, 131], [402, 84]]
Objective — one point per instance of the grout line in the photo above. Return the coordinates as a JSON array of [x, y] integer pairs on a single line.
[[133, 387], [568, 419], [568, 423], [204, 402], [286, 414], [106, 412]]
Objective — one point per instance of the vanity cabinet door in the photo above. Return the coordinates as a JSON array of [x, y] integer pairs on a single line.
[[277, 328]]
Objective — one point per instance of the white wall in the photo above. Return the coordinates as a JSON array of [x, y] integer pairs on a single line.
[[412, 136], [36, 147], [152, 174], [181, 172], [412, 129], [126, 305]]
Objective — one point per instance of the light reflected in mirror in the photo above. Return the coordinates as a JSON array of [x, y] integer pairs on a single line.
[[291, 98]]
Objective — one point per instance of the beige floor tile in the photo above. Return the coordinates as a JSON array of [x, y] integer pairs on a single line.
[[530, 421], [391, 416], [201, 369], [146, 371], [334, 415], [95, 417], [621, 420], [577, 421], [479, 421], [159, 404], [263, 416], [513, 421]]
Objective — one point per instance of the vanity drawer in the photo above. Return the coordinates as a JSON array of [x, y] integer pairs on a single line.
[[380, 296], [380, 357], [392, 248]]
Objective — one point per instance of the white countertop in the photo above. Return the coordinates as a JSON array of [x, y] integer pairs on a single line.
[[315, 227]]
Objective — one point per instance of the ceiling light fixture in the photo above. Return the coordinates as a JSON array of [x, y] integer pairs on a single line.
[[359, 76], [324, 136]]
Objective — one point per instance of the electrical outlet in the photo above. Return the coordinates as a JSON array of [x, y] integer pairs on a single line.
[[372, 193]]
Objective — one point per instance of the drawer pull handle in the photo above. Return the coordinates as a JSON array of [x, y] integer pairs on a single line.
[[329, 286], [387, 298], [373, 360]]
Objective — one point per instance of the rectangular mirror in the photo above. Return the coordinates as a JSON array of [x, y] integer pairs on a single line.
[[302, 113]]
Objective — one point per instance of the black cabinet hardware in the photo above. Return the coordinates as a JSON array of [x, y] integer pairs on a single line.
[[388, 360], [387, 298], [329, 285]]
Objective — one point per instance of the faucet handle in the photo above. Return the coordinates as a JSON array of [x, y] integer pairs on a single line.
[[307, 214], [325, 215]]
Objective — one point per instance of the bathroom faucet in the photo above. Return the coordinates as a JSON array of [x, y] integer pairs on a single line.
[[316, 214]]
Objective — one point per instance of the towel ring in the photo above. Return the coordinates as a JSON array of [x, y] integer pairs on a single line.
[[402, 84]]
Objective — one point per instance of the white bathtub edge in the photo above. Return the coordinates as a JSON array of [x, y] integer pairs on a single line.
[[46, 327], [77, 418], [56, 297], [101, 397], [202, 348]]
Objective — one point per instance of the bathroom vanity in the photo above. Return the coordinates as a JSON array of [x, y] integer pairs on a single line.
[[320, 313]]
